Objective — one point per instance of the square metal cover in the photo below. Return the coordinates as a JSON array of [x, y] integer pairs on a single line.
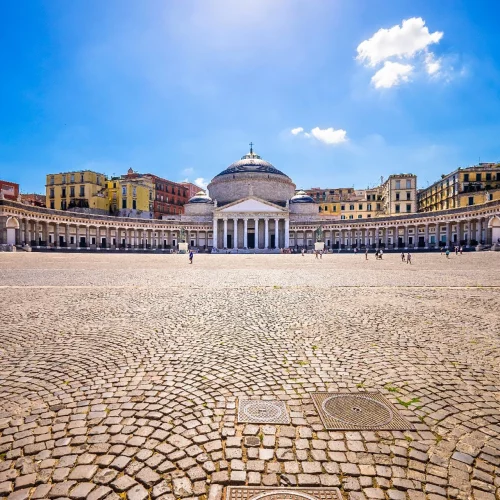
[[260, 411], [358, 411], [286, 493]]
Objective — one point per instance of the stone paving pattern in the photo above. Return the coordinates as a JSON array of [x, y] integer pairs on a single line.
[[120, 374]]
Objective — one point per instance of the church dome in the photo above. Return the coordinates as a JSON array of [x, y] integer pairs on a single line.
[[200, 197], [251, 162], [301, 197]]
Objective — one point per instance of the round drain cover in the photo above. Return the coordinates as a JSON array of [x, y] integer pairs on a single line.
[[354, 409]]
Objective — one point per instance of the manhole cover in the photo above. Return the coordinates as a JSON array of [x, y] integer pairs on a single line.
[[263, 493], [257, 411], [348, 412]]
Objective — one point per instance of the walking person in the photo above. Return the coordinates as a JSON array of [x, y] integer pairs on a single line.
[[461, 250], [302, 252], [402, 256], [447, 254], [190, 256], [408, 258], [366, 254]]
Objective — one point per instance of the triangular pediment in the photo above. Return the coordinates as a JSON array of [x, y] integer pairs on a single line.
[[251, 204]]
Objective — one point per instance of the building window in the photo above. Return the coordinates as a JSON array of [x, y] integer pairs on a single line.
[[359, 216], [72, 178], [63, 192], [64, 178], [351, 207], [398, 184], [369, 207], [489, 197], [466, 177], [488, 177], [124, 191], [52, 179], [369, 215], [134, 191], [334, 208], [63, 205], [408, 184], [134, 204], [124, 203], [342, 207], [478, 177], [72, 191], [360, 206], [82, 190], [398, 209], [342, 217], [408, 207], [52, 204], [81, 178], [378, 206], [99, 180], [397, 196], [151, 195], [351, 216], [52, 192], [326, 208], [408, 195], [471, 200]]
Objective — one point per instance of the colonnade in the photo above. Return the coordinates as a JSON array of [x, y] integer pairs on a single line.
[[401, 236], [251, 232]]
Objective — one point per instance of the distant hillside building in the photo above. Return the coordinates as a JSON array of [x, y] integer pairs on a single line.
[[10, 190]]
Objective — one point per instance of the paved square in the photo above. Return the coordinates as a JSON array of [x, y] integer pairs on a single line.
[[121, 374]]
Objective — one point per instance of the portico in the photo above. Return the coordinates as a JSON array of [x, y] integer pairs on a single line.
[[251, 223]]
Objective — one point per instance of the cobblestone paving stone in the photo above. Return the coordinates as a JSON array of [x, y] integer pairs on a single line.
[[120, 374]]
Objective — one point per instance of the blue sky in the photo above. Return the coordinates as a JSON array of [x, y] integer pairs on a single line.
[[179, 88]]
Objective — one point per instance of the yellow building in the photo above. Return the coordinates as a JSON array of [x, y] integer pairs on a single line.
[[131, 195], [464, 186], [84, 189], [397, 195]]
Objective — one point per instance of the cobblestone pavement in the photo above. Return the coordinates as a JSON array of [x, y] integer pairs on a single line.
[[120, 374]]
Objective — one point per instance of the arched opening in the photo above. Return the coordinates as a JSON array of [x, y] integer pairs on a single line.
[[494, 225], [12, 226]]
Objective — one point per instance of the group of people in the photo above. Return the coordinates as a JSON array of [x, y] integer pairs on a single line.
[[406, 259]]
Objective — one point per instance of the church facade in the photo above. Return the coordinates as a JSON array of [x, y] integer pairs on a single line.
[[250, 206]]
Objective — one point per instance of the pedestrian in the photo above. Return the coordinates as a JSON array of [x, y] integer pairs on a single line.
[[456, 249], [355, 250], [302, 252], [190, 256], [320, 254], [316, 253], [381, 254], [366, 254], [408, 258], [402, 256], [461, 250], [447, 254]]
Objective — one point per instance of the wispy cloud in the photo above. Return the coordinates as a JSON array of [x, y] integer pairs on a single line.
[[328, 136]]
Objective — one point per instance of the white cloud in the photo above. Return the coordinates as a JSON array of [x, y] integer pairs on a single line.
[[327, 135], [188, 171], [391, 74], [201, 182], [432, 65], [403, 41]]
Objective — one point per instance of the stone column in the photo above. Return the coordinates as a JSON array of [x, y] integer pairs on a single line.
[[386, 237], [77, 236], [469, 231], [276, 233], [426, 236], [377, 237], [135, 238], [235, 236], [367, 242], [27, 232], [448, 234], [245, 233], [266, 232], [224, 243], [214, 233], [256, 233], [66, 235], [287, 233], [56, 234]]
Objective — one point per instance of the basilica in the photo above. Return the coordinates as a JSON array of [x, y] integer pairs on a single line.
[[250, 205]]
